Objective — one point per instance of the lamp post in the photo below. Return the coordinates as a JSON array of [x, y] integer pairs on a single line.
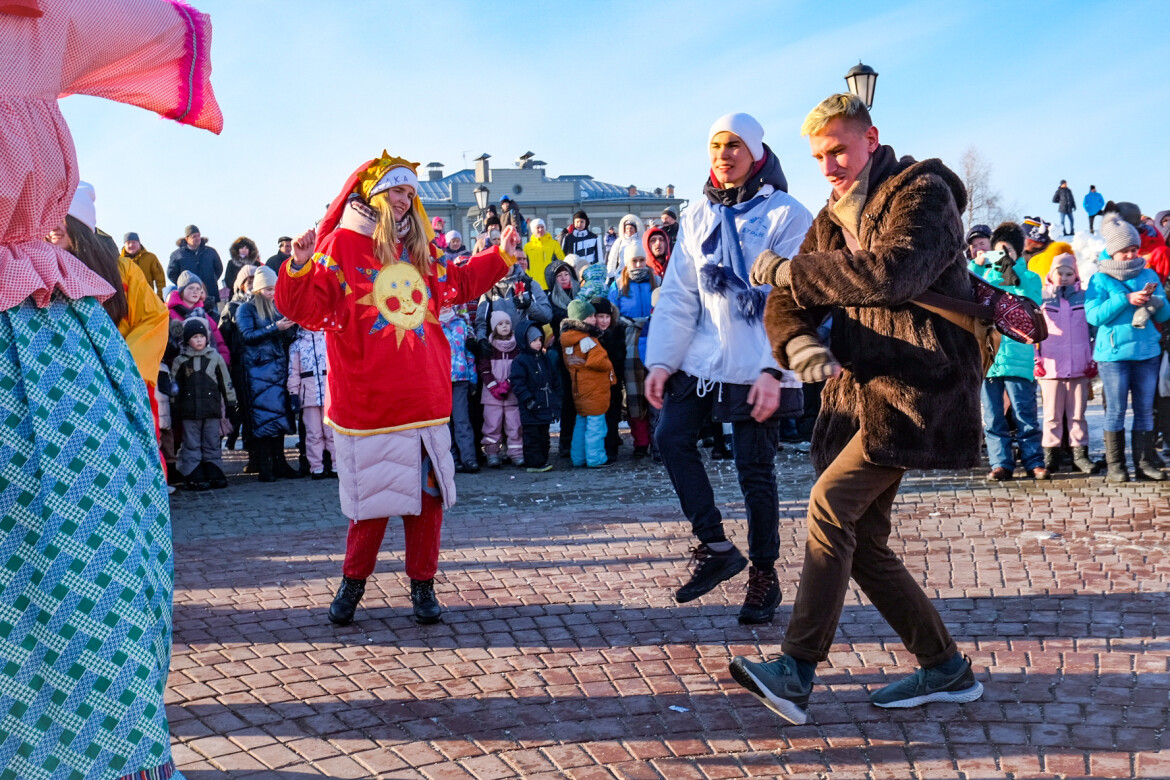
[[861, 80], [481, 200]]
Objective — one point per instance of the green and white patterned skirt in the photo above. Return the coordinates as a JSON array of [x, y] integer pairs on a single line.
[[86, 571]]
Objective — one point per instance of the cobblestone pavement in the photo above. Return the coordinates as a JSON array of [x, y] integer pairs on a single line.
[[562, 653]]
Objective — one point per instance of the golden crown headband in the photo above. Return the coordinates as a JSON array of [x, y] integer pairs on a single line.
[[402, 171]]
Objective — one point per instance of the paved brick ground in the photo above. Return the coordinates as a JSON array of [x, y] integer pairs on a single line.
[[562, 653]]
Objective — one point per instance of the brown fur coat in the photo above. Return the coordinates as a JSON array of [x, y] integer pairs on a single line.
[[911, 379]]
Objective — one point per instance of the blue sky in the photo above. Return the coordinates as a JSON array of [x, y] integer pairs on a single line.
[[626, 93]]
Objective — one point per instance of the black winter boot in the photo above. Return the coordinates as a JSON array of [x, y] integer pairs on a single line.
[[197, 480], [346, 601], [1051, 459], [1143, 465], [1115, 456], [763, 596], [426, 606], [1082, 462], [215, 476], [262, 457], [280, 466]]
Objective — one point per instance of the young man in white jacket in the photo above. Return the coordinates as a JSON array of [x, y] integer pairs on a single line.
[[708, 354]]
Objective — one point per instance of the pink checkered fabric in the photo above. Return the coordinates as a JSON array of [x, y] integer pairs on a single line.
[[148, 53]]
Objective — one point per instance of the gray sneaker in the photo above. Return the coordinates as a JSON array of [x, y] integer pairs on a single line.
[[927, 685], [777, 684]]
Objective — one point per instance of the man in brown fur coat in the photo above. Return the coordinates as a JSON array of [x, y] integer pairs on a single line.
[[903, 393]]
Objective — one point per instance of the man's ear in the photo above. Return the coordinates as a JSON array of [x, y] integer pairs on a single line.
[[871, 139]]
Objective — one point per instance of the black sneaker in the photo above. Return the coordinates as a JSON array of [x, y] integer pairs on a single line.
[[346, 601], [763, 596], [711, 568], [426, 606], [777, 684], [927, 685]]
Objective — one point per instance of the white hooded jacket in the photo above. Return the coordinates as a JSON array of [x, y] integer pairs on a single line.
[[616, 259], [700, 332]]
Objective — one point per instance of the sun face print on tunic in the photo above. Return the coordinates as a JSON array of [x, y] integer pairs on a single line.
[[401, 298]]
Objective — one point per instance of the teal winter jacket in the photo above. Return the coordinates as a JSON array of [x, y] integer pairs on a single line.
[[1014, 359], [1107, 306]]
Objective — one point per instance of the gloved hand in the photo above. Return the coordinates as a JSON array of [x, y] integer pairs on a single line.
[[1040, 372], [523, 300], [810, 360], [294, 401], [506, 386], [1091, 371], [494, 389], [770, 268], [530, 406]]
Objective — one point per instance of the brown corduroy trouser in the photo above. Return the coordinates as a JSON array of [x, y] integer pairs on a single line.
[[848, 530]]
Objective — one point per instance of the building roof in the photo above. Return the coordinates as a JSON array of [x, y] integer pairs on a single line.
[[440, 190]]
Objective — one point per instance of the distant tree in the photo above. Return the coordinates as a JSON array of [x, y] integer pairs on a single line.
[[983, 200]]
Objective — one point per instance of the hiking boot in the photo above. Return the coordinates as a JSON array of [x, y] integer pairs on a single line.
[[763, 596], [426, 606], [1052, 459], [1081, 460], [711, 568], [777, 684], [1144, 466], [1115, 457], [999, 474], [927, 685], [346, 601]]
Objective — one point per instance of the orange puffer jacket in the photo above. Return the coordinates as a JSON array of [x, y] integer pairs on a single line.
[[588, 365]]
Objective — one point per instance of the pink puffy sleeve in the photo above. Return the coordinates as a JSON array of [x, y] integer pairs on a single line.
[[149, 53]]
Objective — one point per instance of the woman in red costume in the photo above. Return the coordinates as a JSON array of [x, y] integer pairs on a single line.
[[369, 276]]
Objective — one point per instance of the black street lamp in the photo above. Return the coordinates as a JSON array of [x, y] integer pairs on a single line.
[[861, 80], [481, 200]]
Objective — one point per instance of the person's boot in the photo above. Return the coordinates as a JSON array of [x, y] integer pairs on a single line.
[[1143, 448], [262, 453], [215, 476], [346, 601], [196, 479], [763, 596], [1115, 457], [280, 467], [426, 605], [711, 568], [1081, 460], [1051, 459]]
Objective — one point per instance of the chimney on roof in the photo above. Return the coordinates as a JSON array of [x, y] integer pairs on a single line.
[[434, 171], [632, 191], [670, 190], [483, 172]]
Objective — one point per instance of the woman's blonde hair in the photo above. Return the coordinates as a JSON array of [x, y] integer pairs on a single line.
[[840, 106], [623, 282], [386, 245]]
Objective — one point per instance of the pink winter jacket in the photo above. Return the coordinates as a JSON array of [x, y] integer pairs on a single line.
[[1067, 353]]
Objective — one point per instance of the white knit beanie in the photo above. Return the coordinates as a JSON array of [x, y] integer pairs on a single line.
[[83, 207], [265, 278], [746, 127]]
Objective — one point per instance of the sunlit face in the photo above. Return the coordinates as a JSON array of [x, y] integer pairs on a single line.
[[539, 231], [579, 223], [198, 342], [268, 292], [243, 252], [193, 240], [637, 262], [629, 229], [667, 219], [564, 278], [455, 244], [980, 244], [284, 247], [730, 159], [132, 247], [1007, 249], [603, 320], [1065, 275], [494, 237], [658, 245], [438, 224], [1127, 255], [58, 236], [401, 295], [842, 149], [192, 294], [400, 197]]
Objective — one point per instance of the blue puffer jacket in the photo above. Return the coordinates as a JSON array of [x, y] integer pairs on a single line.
[[1107, 307], [1014, 359], [636, 306], [265, 371]]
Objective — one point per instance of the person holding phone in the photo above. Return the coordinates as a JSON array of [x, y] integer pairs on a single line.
[[1120, 302]]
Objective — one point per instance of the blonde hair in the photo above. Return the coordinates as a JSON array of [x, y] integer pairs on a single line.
[[386, 236], [840, 106]]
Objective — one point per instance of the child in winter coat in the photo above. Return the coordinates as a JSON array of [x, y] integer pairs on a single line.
[[537, 385], [1122, 296], [593, 281], [613, 339], [1014, 371], [186, 302], [630, 296], [1064, 364], [205, 391], [592, 376], [307, 370], [501, 413], [457, 327]]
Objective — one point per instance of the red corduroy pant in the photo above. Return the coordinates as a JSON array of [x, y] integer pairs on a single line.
[[422, 542]]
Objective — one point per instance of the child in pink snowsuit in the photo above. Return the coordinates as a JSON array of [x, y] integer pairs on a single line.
[[501, 410], [307, 370], [1064, 363]]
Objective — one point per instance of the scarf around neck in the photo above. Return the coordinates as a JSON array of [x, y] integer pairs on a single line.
[[1122, 271], [726, 271]]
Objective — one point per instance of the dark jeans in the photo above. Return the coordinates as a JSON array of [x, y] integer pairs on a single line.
[[613, 418], [1063, 216], [568, 410], [848, 532], [536, 443], [1091, 218], [684, 411], [1123, 379]]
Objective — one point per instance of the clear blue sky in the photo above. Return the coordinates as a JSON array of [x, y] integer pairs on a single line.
[[626, 92]]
